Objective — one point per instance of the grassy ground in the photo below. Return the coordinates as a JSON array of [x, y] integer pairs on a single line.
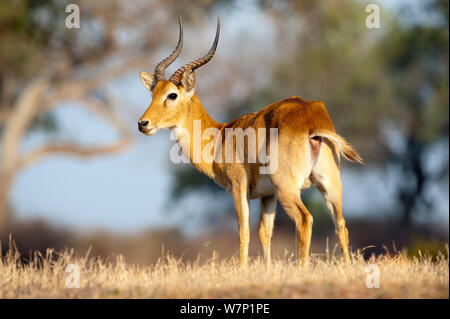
[[46, 277]]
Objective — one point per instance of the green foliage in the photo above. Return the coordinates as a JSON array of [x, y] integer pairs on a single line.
[[29, 26], [417, 58]]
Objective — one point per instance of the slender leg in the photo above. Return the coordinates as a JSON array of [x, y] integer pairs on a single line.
[[334, 204], [303, 219], [268, 208], [327, 179], [242, 215]]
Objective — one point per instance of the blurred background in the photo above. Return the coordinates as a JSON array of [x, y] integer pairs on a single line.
[[75, 171]]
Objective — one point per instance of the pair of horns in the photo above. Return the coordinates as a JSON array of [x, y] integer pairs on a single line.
[[176, 77]]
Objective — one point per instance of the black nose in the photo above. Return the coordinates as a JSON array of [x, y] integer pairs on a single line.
[[142, 124]]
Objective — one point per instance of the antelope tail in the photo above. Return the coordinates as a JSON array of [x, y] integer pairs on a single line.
[[344, 147]]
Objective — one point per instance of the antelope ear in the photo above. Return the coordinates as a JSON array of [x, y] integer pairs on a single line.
[[188, 80], [148, 80]]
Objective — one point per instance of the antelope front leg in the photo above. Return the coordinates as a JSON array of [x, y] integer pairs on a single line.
[[242, 215]]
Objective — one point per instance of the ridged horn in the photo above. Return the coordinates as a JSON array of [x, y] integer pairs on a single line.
[[176, 77], [161, 67]]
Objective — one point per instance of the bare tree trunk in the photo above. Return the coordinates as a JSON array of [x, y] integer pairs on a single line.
[[5, 185], [15, 128]]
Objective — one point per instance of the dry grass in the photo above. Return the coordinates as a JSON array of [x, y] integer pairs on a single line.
[[400, 277]]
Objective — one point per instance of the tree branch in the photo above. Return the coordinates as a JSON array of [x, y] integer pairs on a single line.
[[73, 150], [95, 106]]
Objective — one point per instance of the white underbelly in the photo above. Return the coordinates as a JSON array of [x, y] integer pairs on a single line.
[[263, 187]]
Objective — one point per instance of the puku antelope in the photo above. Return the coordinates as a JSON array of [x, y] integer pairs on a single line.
[[308, 152]]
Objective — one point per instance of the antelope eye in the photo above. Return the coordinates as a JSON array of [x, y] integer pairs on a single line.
[[172, 96]]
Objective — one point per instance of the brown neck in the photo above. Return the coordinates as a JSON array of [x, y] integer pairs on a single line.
[[197, 117]]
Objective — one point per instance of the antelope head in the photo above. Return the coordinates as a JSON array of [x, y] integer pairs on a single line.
[[171, 98]]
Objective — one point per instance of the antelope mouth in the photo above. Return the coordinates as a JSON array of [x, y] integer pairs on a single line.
[[150, 131]]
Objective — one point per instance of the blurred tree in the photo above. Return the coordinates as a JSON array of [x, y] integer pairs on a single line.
[[417, 58], [41, 67]]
